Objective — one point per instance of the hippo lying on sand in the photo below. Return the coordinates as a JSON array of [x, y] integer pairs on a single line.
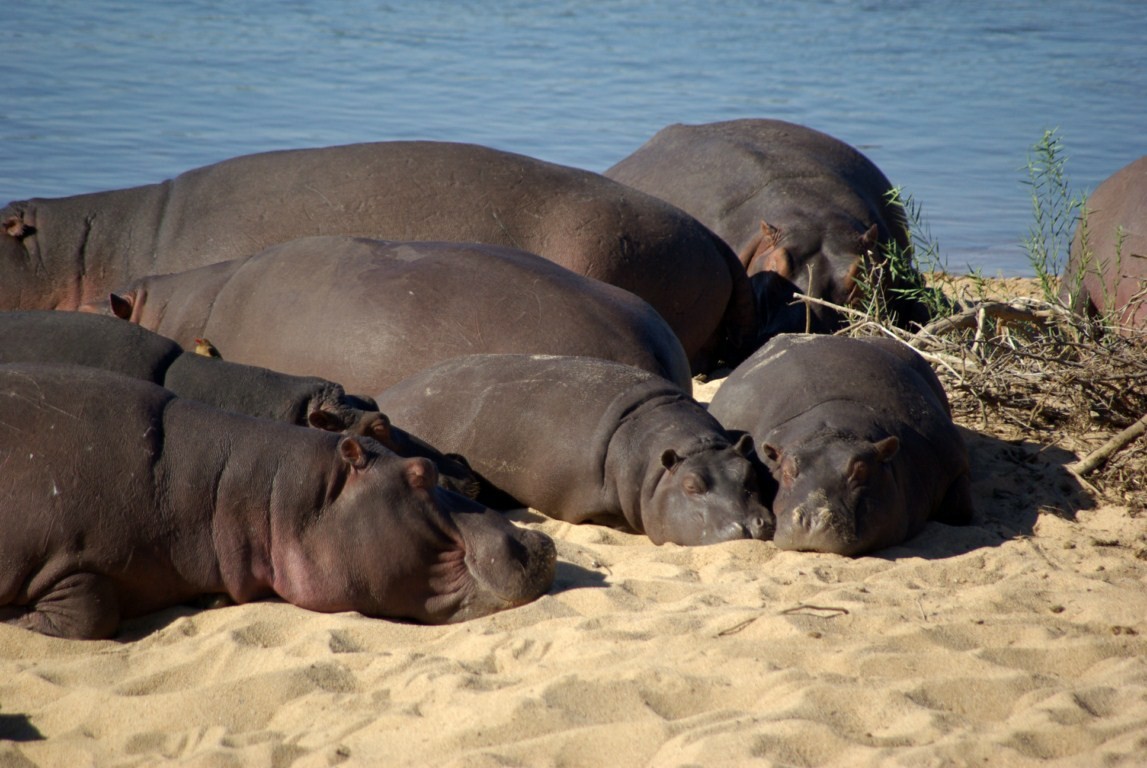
[[369, 313], [787, 198], [1114, 271], [113, 345], [118, 499], [858, 435], [65, 252], [588, 440]]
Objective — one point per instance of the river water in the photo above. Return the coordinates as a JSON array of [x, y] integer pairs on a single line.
[[946, 97]]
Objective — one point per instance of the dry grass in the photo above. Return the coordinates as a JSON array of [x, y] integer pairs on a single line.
[[1019, 367]]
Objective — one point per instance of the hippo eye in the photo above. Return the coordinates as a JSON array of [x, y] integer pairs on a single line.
[[694, 484]]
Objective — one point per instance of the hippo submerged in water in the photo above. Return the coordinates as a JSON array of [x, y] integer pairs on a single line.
[[65, 252], [118, 499], [858, 437], [588, 440]]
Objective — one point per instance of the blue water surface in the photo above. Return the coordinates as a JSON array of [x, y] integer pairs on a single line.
[[947, 98]]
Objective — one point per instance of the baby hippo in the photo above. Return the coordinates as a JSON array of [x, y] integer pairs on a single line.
[[118, 499], [588, 440], [858, 435], [91, 340]]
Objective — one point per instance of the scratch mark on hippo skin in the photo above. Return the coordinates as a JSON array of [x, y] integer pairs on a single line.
[[766, 361]]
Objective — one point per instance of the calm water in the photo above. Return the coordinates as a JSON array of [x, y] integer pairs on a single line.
[[946, 97]]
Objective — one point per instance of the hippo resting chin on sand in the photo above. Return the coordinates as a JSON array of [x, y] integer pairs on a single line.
[[118, 499], [588, 440], [858, 436], [113, 345], [369, 313], [788, 199], [1108, 272], [65, 252]]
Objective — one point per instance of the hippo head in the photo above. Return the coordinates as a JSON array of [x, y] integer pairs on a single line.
[[707, 495], [837, 493], [389, 542], [454, 472], [823, 262], [330, 408]]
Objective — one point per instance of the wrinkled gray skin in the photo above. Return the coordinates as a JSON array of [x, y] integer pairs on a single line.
[[369, 313], [1114, 262], [118, 499], [65, 252], [858, 437], [113, 345], [786, 198], [588, 440]]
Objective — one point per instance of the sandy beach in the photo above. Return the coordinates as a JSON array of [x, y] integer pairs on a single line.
[[1018, 640]]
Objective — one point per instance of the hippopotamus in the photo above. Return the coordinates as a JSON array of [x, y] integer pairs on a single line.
[[118, 499], [1107, 268], [369, 313], [64, 252], [113, 345], [789, 200], [858, 437], [582, 439]]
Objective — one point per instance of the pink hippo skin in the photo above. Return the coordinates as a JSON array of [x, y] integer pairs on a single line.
[[788, 199], [588, 440], [118, 499], [857, 436], [64, 252], [1115, 270], [368, 313]]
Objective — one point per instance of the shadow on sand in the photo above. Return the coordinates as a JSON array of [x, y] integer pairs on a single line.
[[1013, 483]]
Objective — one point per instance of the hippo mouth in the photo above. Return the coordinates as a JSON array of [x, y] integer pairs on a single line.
[[815, 525], [511, 570]]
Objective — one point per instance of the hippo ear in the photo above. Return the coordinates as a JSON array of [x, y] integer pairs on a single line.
[[771, 455], [744, 444], [122, 305], [353, 452], [420, 473], [670, 459], [869, 239], [378, 427], [887, 448], [14, 226], [325, 420]]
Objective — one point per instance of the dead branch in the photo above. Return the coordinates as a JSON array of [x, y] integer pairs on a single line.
[[1104, 452]]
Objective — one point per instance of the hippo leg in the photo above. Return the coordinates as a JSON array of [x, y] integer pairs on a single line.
[[956, 507], [82, 605]]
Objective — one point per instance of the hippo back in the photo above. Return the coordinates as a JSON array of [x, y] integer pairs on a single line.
[[369, 313], [731, 174], [425, 191], [86, 339]]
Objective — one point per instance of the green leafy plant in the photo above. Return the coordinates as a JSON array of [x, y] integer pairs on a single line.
[[894, 285], [1055, 214]]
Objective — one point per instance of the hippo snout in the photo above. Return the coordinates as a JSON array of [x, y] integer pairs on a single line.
[[760, 527], [815, 525], [508, 565]]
